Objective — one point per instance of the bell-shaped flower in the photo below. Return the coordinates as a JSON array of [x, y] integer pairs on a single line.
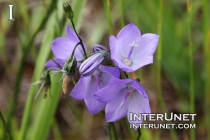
[[130, 50], [87, 86], [122, 97], [62, 48]]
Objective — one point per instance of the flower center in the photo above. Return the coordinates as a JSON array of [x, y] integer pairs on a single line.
[[126, 59], [130, 91]]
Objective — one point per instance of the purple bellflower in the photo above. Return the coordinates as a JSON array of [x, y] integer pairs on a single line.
[[130, 50], [62, 48], [87, 86], [122, 97]]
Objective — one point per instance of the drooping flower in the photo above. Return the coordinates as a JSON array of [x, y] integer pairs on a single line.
[[62, 48], [87, 86], [123, 96], [130, 50]]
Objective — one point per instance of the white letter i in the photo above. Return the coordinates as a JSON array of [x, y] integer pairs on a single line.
[[10, 13]]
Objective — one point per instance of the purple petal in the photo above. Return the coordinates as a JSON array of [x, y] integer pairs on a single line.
[[114, 87], [71, 34], [62, 48], [147, 46], [79, 90], [139, 105], [139, 88], [55, 63], [114, 110], [113, 48], [127, 35], [111, 70], [92, 104]]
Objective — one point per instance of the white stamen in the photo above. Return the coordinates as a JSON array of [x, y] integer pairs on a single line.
[[133, 44]]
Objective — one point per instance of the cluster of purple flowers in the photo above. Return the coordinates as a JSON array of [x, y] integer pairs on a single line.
[[100, 84]]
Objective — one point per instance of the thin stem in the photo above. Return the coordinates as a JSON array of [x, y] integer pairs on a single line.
[[112, 131], [192, 94], [126, 75], [5, 126], [122, 21], [206, 34], [139, 134], [158, 64], [108, 16], [72, 22]]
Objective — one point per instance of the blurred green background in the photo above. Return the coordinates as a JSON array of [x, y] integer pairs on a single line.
[[178, 81]]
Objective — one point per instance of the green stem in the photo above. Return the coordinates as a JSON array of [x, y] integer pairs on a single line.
[[80, 40], [139, 134], [122, 21], [206, 35], [158, 63], [191, 67], [20, 73], [112, 131], [108, 16], [5, 126]]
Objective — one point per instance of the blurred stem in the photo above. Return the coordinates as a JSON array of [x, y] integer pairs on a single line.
[[24, 12], [139, 134], [122, 19], [137, 73], [108, 16], [206, 35], [56, 132], [112, 131], [20, 73], [158, 63], [192, 107], [6, 129]]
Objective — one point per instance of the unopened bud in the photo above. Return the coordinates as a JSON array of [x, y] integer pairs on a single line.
[[91, 64], [68, 11], [97, 48]]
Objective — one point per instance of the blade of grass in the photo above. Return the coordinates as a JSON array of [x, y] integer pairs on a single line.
[[38, 70], [191, 67], [122, 21], [46, 111], [206, 35], [6, 129], [158, 66], [108, 16]]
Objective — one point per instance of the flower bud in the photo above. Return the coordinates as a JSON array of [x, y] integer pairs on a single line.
[[70, 65], [68, 11], [91, 64], [97, 48]]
